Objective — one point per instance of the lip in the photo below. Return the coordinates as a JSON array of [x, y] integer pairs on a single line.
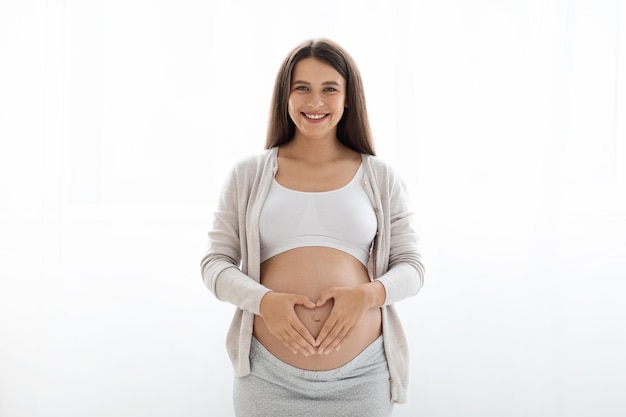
[[315, 117]]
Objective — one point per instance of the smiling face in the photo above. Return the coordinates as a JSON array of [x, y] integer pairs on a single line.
[[317, 99]]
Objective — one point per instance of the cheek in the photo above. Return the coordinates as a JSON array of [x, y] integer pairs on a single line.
[[340, 105], [292, 104], [341, 102], [290, 110]]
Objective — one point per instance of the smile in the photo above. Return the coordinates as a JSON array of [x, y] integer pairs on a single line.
[[315, 116]]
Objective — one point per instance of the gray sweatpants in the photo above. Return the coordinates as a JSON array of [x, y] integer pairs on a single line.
[[360, 388]]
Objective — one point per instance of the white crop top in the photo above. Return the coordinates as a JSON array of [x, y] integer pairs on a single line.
[[342, 219]]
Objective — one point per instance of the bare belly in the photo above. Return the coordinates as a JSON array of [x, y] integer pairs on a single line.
[[309, 271]]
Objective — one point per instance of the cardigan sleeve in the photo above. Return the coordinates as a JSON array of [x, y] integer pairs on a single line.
[[221, 263], [404, 276]]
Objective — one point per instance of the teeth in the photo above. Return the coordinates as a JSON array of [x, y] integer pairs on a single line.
[[315, 116]]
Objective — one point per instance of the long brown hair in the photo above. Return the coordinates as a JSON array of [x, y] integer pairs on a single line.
[[353, 129]]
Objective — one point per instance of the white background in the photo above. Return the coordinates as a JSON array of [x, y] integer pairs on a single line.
[[120, 119]]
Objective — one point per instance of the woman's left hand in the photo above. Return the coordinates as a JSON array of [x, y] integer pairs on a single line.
[[350, 306]]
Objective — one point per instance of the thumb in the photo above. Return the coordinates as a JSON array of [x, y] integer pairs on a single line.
[[325, 296], [305, 301]]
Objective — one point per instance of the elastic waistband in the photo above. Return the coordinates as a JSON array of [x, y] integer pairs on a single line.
[[373, 355]]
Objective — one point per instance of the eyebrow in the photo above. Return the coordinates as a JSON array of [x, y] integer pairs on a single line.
[[324, 83]]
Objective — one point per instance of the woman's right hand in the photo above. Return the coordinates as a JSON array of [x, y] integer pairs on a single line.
[[278, 312]]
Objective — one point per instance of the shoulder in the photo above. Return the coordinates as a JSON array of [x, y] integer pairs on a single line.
[[379, 168], [254, 164], [389, 190], [375, 162], [254, 160], [385, 180]]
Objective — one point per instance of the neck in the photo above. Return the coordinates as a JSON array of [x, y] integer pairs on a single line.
[[314, 151]]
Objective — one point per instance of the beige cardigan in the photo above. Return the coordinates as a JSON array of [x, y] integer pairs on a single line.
[[231, 265]]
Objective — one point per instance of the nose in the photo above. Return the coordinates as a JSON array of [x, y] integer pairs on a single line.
[[315, 100]]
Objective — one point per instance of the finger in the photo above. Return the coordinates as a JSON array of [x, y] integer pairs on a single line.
[[297, 338], [326, 334], [336, 344], [292, 341], [303, 338], [286, 340], [336, 334], [324, 297], [305, 302], [284, 333], [299, 343]]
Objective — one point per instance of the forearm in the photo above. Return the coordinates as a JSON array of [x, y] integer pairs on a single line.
[[229, 284], [402, 281], [374, 294]]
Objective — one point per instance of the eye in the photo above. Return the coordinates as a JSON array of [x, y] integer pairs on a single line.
[[300, 88], [330, 89]]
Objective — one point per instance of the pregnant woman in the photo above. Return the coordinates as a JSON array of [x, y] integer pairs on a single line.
[[312, 242]]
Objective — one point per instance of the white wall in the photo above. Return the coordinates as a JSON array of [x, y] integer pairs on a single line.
[[119, 119]]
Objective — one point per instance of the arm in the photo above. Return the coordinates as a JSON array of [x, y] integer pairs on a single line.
[[349, 308], [220, 264], [222, 275], [399, 269], [404, 273]]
